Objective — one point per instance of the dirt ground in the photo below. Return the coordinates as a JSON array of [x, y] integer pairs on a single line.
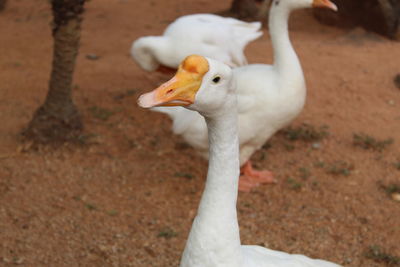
[[129, 197]]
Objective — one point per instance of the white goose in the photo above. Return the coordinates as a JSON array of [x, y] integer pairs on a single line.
[[269, 96], [206, 86], [210, 35]]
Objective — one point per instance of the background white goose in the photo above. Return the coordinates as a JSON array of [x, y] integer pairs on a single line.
[[269, 96], [206, 86], [210, 35]]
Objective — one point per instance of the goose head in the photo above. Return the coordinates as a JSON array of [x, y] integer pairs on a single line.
[[201, 84], [297, 4]]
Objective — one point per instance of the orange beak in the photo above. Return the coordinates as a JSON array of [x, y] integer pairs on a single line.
[[182, 88], [325, 4]]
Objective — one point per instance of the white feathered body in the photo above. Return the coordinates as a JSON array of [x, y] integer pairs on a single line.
[[216, 37], [266, 104], [269, 96]]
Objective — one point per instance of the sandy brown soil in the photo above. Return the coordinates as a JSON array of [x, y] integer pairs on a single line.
[[128, 199]]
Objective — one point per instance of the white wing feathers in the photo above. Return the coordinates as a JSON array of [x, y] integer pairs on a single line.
[[211, 30]]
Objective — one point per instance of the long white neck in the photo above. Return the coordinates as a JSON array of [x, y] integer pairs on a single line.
[[286, 61], [214, 238]]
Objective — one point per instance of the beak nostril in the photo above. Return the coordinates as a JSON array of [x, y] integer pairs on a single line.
[[170, 91]]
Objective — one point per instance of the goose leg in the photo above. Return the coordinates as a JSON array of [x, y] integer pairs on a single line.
[[250, 177]]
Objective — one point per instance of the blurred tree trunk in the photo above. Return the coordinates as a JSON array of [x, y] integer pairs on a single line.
[[381, 16], [58, 120], [2, 4], [263, 10], [391, 14], [245, 9]]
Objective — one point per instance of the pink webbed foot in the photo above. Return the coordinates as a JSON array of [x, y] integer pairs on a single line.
[[251, 178]]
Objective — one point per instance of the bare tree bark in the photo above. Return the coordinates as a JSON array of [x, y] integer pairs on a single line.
[[244, 9], [381, 16], [58, 120], [391, 13], [2, 4], [264, 7]]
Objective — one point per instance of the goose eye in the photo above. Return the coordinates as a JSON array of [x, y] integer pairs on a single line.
[[216, 79]]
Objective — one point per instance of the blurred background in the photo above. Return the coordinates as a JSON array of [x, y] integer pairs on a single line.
[[87, 178]]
